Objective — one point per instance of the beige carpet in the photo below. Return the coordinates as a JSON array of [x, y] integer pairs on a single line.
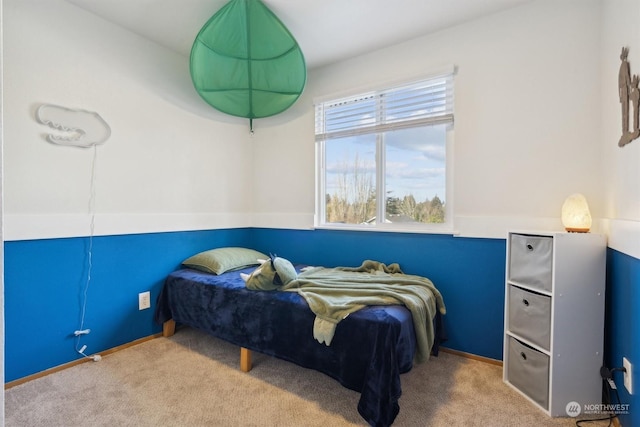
[[193, 379]]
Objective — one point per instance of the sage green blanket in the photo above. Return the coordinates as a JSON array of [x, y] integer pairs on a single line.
[[334, 293]]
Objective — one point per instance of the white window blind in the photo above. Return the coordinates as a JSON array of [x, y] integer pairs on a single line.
[[420, 103]]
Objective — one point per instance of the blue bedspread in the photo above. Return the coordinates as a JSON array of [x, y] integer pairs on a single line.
[[369, 351]]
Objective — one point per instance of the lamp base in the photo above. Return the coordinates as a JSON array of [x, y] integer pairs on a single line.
[[577, 230]]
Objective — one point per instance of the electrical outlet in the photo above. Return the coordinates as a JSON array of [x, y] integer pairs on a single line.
[[628, 374], [144, 300]]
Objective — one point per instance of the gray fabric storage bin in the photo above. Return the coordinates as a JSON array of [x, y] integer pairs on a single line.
[[530, 261], [528, 370], [530, 316]]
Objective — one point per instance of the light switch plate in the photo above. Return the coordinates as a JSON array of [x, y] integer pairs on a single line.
[[144, 300]]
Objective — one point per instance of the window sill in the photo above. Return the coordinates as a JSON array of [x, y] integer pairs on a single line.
[[444, 229]]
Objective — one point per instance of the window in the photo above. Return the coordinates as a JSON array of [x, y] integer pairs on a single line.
[[383, 154]]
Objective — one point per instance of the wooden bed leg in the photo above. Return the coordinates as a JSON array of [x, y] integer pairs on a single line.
[[245, 359], [169, 328]]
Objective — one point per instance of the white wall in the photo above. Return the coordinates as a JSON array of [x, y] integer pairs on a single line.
[[527, 118], [284, 167], [171, 163], [530, 129], [622, 164]]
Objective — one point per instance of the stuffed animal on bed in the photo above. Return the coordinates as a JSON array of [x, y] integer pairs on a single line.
[[272, 274]]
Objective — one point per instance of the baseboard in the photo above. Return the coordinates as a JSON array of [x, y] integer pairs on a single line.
[[76, 362], [471, 356]]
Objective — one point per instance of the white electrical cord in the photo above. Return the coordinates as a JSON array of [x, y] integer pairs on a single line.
[[83, 129], [95, 357], [92, 195]]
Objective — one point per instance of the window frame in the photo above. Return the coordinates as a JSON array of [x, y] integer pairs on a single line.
[[445, 227]]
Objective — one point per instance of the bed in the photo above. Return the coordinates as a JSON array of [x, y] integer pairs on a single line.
[[370, 349]]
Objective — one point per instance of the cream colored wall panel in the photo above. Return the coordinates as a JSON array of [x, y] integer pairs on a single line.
[[526, 113], [170, 157]]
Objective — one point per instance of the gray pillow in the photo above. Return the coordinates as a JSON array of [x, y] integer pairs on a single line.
[[219, 260]]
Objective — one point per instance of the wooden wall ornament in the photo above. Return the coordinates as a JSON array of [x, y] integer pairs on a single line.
[[629, 99]]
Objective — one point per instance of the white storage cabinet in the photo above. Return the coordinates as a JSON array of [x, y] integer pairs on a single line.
[[554, 318]]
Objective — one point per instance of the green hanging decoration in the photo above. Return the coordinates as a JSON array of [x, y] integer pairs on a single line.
[[245, 62]]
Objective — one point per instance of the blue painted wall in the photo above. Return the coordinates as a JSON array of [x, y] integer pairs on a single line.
[[622, 332], [468, 272], [45, 280]]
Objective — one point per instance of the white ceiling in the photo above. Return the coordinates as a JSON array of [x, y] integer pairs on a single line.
[[326, 30]]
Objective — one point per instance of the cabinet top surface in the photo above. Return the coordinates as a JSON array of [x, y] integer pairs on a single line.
[[552, 233]]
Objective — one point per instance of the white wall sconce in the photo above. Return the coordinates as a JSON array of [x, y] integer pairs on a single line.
[[576, 217]]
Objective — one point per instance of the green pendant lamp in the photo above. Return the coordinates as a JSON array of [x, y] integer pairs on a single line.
[[245, 62]]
